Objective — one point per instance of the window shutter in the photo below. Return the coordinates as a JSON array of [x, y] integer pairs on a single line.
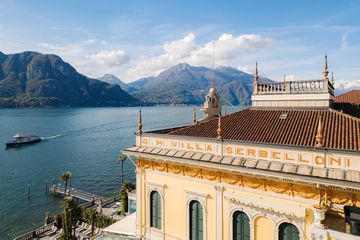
[[241, 226], [288, 231], [196, 221], [155, 210]]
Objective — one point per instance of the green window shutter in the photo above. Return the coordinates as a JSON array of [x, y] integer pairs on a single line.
[[158, 211], [155, 210], [241, 226], [288, 231], [196, 221]]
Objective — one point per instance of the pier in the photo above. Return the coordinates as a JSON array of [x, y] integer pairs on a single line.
[[75, 193]]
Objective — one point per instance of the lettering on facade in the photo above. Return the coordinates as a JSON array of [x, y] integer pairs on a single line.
[[317, 159]]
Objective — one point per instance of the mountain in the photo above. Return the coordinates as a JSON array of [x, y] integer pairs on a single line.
[[31, 79], [112, 79], [186, 84]]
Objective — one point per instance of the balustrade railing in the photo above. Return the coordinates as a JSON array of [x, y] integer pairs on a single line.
[[36, 232], [308, 86]]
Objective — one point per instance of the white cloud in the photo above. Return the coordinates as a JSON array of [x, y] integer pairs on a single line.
[[289, 77], [344, 42], [246, 69], [94, 41], [342, 85], [226, 48], [110, 58]]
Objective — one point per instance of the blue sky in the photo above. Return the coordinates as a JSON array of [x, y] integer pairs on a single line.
[[134, 39]]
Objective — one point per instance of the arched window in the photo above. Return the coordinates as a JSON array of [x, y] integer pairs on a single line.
[[241, 226], [155, 210], [196, 221], [288, 231]]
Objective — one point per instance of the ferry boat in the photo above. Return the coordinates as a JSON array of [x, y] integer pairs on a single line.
[[20, 140]]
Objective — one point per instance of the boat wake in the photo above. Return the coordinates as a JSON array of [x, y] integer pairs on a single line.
[[52, 137]]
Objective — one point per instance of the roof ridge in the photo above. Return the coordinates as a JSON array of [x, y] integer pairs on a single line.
[[344, 114]]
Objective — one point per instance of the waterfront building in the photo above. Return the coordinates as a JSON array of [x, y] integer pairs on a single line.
[[286, 168]]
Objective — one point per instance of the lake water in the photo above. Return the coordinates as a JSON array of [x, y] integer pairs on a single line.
[[85, 141]]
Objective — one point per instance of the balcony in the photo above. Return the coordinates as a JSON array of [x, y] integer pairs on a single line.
[[294, 87]]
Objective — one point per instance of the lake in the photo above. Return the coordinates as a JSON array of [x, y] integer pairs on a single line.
[[85, 141]]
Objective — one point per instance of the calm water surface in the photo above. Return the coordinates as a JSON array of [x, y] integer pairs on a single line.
[[85, 141]]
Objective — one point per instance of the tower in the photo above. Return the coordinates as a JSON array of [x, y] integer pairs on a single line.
[[212, 107]]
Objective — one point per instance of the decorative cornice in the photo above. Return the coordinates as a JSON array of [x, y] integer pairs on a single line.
[[294, 189], [265, 210]]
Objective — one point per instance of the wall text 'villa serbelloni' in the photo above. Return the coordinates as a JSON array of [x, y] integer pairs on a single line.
[[313, 157]]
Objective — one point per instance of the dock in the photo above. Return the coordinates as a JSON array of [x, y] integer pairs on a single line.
[[75, 193]]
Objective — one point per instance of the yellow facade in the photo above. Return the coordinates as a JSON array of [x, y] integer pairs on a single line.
[[221, 195]]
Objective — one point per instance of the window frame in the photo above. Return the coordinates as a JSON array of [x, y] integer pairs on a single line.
[[158, 223], [152, 231], [279, 229], [201, 198], [232, 223]]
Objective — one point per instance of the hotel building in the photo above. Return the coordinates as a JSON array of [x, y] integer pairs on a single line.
[[286, 168]]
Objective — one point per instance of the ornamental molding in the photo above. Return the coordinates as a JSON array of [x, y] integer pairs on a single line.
[[275, 214], [333, 197]]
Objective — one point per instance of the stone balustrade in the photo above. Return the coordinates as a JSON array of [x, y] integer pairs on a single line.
[[294, 87]]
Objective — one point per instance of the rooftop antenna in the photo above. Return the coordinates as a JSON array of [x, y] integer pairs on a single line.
[[213, 80]]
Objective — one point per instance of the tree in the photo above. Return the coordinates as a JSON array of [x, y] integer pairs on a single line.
[[125, 188], [65, 178], [71, 214], [122, 159]]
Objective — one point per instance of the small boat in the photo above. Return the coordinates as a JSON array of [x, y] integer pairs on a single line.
[[20, 140]]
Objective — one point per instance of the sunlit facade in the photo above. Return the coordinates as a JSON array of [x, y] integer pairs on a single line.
[[286, 168]]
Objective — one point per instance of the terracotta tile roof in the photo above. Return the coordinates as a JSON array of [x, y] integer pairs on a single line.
[[299, 128], [352, 97]]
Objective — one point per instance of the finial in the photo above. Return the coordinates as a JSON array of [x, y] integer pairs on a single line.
[[218, 131], [256, 76], [332, 78], [140, 123], [194, 117], [326, 72], [320, 133]]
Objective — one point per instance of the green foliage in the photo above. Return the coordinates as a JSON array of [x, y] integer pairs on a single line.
[[70, 215], [65, 177], [125, 188], [58, 220], [100, 221]]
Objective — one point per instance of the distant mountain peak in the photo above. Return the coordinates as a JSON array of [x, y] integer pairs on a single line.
[[187, 84], [35, 79], [112, 79]]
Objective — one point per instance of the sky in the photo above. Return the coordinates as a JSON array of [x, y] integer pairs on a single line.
[[135, 39]]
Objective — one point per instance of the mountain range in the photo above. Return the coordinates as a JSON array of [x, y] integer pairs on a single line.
[[186, 84], [31, 79]]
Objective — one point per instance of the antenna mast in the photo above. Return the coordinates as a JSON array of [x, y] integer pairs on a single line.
[[213, 80]]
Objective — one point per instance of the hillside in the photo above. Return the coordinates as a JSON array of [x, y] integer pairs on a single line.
[[186, 84], [31, 79], [112, 79]]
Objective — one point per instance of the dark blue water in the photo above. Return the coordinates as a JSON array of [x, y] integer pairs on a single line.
[[85, 141]]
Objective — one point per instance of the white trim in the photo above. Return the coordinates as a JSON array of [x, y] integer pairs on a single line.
[[201, 198], [155, 233], [299, 228], [219, 212], [267, 216], [138, 202]]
